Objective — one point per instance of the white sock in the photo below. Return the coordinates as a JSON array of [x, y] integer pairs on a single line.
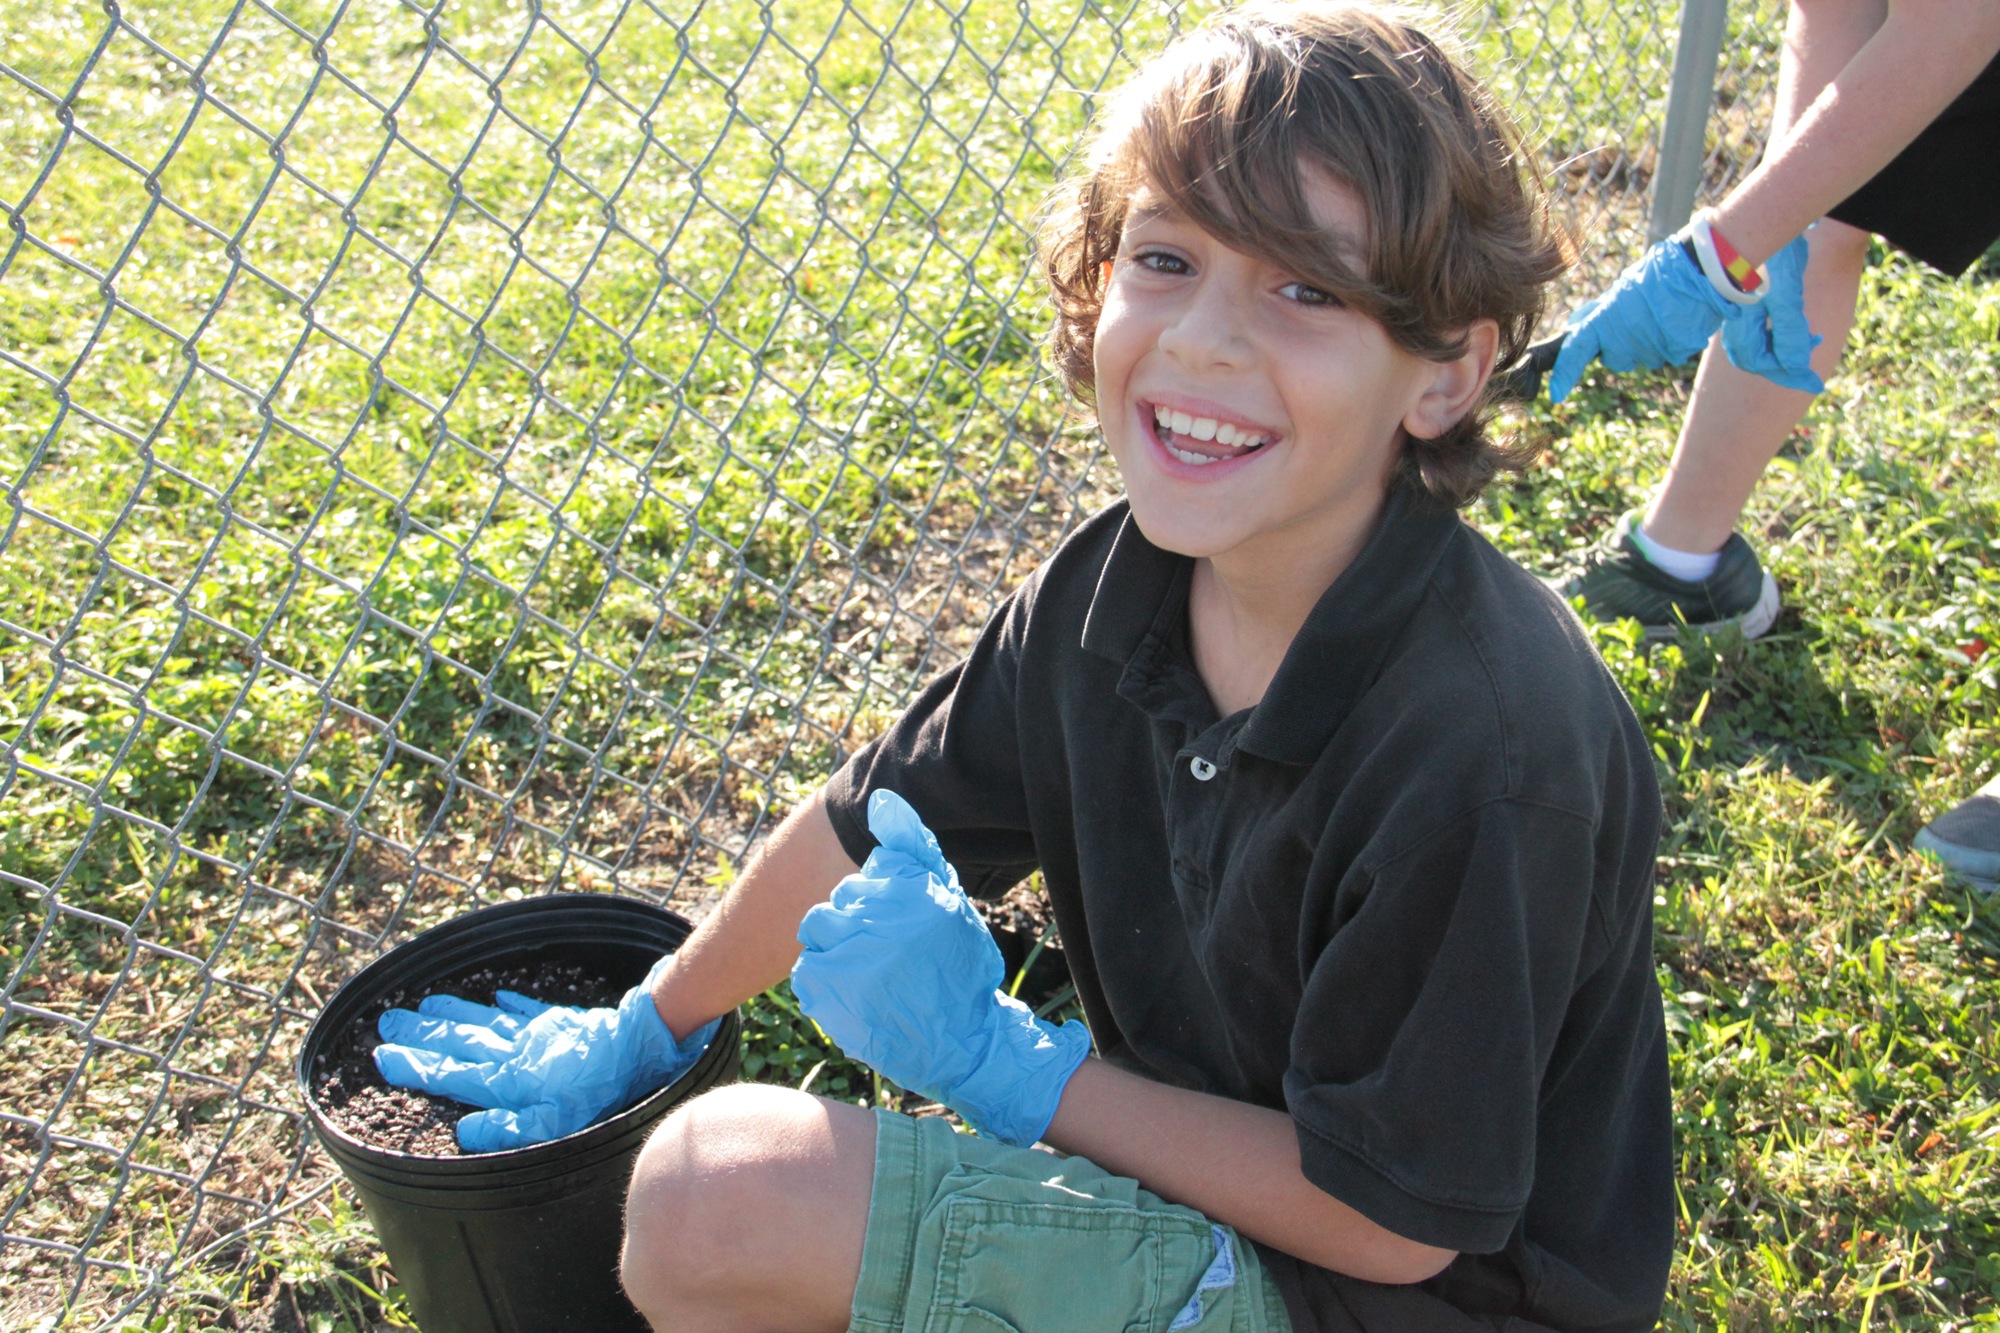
[[1691, 566]]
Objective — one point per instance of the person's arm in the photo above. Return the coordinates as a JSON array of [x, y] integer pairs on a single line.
[[543, 1071], [1665, 307], [1236, 1163], [902, 974], [750, 940], [1925, 54]]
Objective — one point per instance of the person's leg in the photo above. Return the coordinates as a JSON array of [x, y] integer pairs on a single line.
[[761, 1208], [1736, 421], [1735, 424], [1680, 560], [747, 1211]]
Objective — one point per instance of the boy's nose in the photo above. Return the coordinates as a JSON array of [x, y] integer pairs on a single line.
[[1208, 330]]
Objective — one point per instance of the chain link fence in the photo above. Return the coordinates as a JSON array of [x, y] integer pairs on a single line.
[[458, 453]]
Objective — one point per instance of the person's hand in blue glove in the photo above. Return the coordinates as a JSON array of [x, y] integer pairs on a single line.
[[542, 1071], [1662, 311], [900, 971]]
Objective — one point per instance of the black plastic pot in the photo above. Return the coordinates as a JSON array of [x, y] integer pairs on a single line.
[[527, 1240]]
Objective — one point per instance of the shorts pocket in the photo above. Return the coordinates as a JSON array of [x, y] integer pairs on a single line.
[[1088, 1266], [971, 1319]]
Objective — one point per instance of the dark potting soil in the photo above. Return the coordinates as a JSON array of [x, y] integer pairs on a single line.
[[351, 1092]]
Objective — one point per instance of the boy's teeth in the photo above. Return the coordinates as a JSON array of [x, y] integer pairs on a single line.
[[1203, 429]]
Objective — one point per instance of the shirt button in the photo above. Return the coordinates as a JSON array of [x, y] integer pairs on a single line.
[[1201, 768]]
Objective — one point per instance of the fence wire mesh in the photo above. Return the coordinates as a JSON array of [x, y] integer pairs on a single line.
[[464, 452]]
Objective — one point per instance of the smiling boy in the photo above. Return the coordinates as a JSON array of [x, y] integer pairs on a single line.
[[1348, 834]]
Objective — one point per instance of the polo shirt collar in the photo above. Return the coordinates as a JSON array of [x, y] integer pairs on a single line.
[[1141, 598], [1131, 600]]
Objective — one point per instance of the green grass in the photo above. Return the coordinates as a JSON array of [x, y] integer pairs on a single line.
[[442, 393], [558, 486], [525, 449]]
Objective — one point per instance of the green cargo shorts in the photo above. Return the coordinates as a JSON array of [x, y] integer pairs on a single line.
[[966, 1235]]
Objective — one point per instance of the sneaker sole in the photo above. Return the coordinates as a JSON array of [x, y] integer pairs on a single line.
[[1972, 863], [1753, 622]]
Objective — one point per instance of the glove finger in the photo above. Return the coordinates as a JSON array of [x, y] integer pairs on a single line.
[[890, 868], [857, 890], [457, 1010], [1805, 381], [427, 1071], [522, 1006], [1792, 342], [1777, 346], [898, 827], [825, 926], [1791, 337], [499, 1130], [821, 1000], [441, 1036], [1578, 351], [1788, 271]]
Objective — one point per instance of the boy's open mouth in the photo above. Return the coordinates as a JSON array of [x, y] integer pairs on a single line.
[[1202, 440]]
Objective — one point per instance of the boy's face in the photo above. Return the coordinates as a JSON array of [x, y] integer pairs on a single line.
[[1253, 418]]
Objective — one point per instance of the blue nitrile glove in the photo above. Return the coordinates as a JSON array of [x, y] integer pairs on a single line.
[[902, 974], [1772, 338], [542, 1070], [1662, 311]]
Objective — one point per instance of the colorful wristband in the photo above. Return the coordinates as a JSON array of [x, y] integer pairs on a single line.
[[1727, 271], [1740, 270]]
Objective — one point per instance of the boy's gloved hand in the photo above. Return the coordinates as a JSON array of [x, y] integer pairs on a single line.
[[1662, 311], [542, 1070], [901, 972]]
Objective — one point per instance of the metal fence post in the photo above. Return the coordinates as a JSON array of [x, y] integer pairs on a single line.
[[1683, 139]]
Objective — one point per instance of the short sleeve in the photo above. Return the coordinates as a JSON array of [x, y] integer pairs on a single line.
[[1429, 1018], [955, 754]]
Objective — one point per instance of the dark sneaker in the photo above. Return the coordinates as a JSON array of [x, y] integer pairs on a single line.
[[1967, 837], [1618, 583]]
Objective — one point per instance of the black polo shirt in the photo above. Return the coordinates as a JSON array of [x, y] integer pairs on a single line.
[[1407, 898]]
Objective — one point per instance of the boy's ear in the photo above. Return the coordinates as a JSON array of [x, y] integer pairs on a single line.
[[1455, 384]]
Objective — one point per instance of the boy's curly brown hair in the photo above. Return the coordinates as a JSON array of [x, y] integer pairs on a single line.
[[1222, 124]]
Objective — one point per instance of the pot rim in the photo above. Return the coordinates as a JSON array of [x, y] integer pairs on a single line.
[[602, 1138]]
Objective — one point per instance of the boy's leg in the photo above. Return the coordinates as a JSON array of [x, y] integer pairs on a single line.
[[747, 1210], [760, 1208]]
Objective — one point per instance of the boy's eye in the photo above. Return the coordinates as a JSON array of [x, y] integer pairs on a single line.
[[1160, 261], [1304, 295]]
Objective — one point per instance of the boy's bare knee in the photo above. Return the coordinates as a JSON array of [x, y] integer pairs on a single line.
[[709, 1187], [686, 1187]]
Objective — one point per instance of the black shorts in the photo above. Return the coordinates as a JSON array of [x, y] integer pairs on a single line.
[[1940, 199]]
